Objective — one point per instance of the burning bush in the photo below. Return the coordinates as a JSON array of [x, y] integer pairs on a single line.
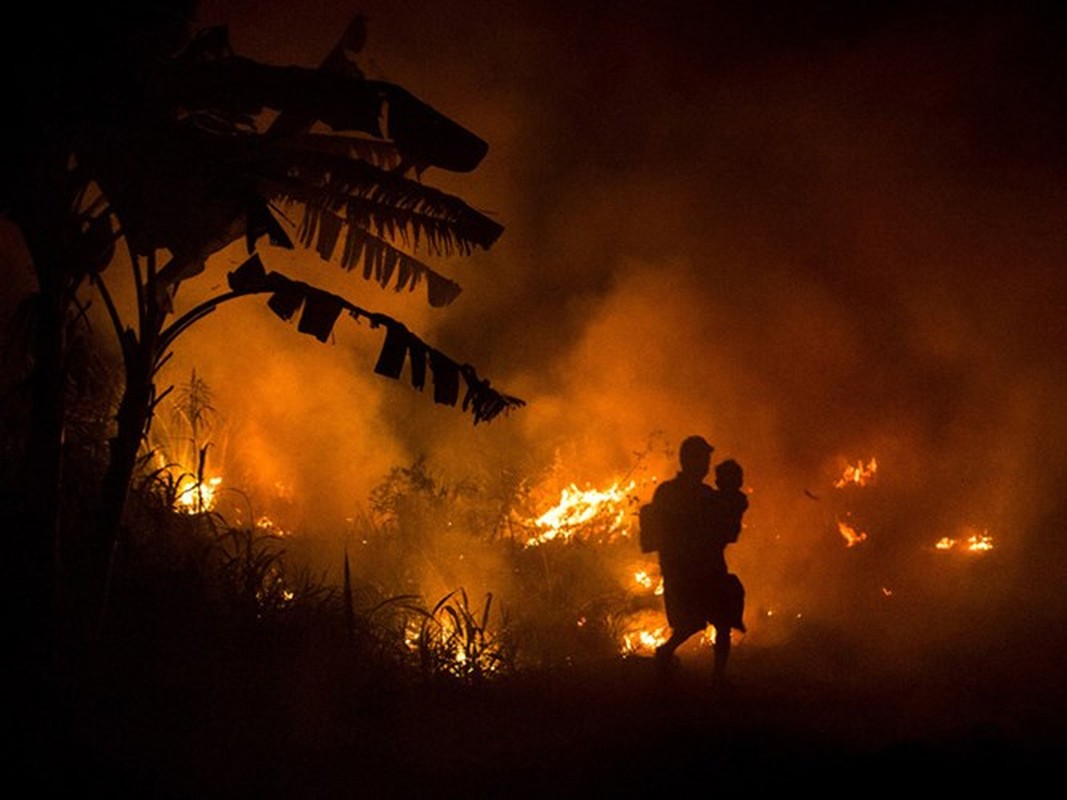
[[567, 575], [453, 639]]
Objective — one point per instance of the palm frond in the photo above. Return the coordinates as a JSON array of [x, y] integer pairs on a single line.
[[238, 84], [381, 261], [375, 151], [342, 102], [319, 311], [397, 206], [321, 229]]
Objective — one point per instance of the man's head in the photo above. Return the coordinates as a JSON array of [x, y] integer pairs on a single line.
[[695, 456]]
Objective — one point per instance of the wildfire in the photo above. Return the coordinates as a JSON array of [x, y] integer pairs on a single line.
[[646, 580], [578, 508], [975, 543], [604, 513], [639, 642], [851, 535], [859, 475], [197, 497], [450, 639]]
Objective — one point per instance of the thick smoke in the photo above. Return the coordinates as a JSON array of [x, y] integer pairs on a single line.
[[814, 238]]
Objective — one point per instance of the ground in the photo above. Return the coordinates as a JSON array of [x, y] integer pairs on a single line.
[[788, 718]]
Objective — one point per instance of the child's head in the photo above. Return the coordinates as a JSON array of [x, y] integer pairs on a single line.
[[728, 475]]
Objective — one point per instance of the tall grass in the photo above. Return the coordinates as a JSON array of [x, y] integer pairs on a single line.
[[411, 565], [454, 639], [569, 600]]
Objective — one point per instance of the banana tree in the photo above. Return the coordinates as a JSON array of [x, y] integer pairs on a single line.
[[183, 163]]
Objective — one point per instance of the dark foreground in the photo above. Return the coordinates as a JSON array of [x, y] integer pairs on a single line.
[[814, 718]]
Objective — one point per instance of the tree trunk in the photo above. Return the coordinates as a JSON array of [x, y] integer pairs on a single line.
[[42, 215], [38, 540], [132, 420], [33, 568], [34, 578]]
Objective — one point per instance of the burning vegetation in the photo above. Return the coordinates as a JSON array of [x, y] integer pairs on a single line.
[[859, 474], [474, 578], [579, 510], [974, 543], [480, 577]]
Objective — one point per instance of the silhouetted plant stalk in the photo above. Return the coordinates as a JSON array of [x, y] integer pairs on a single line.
[[253, 566], [142, 357], [454, 640], [182, 441]]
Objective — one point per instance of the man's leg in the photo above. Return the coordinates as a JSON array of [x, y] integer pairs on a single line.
[[678, 637]]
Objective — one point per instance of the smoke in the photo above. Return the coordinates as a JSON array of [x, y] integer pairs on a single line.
[[812, 237]]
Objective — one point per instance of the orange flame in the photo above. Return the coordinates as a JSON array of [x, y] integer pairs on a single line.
[[851, 535], [606, 511], [578, 507], [646, 580], [197, 497], [643, 642], [975, 543], [858, 475]]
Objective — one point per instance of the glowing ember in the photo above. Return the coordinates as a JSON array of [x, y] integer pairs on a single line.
[[577, 508], [858, 475], [647, 580], [197, 497], [266, 524], [851, 535]]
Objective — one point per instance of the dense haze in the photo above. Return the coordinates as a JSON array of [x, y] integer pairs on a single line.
[[811, 234]]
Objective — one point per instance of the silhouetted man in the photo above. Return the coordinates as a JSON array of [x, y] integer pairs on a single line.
[[697, 523]]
